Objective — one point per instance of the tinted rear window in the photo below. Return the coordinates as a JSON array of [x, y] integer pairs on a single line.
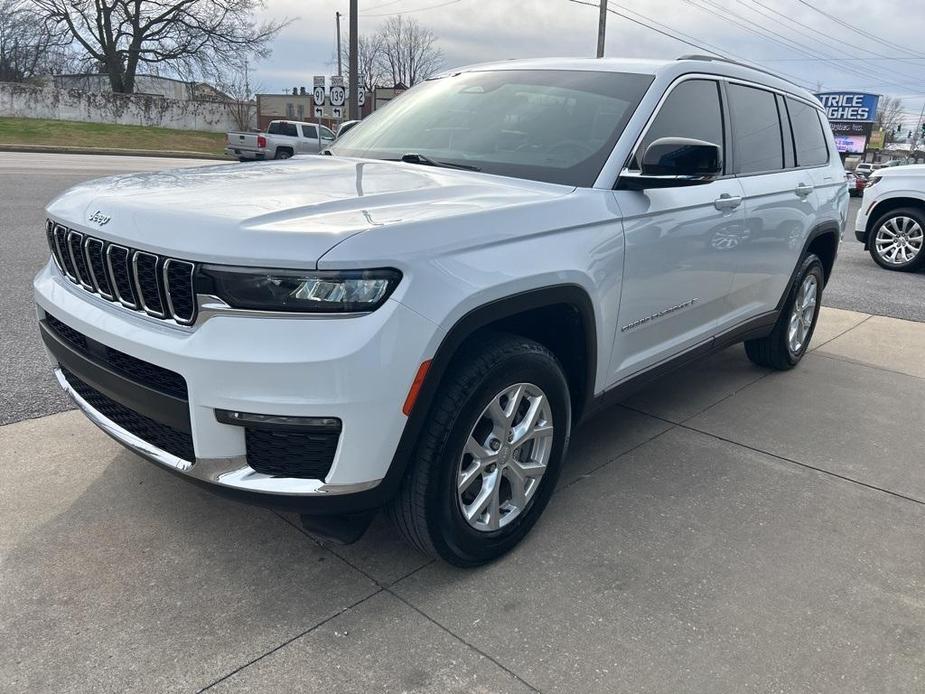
[[756, 131], [809, 139]]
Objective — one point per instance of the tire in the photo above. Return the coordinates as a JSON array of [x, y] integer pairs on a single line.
[[778, 350], [909, 224], [282, 153], [429, 508]]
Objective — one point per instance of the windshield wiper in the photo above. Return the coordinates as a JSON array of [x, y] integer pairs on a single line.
[[415, 158]]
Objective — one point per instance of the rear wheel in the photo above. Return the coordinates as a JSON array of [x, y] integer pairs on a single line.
[[282, 153], [489, 456], [790, 338], [897, 240]]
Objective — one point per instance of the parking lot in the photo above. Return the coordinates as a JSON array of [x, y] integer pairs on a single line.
[[727, 529]]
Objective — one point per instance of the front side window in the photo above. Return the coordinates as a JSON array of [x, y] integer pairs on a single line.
[[757, 141], [809, 139], [326, 134], [558, 126], [692, 109]]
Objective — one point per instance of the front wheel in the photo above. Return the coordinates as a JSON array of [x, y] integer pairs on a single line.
[[489, 456], [790, 338], [897, 239]]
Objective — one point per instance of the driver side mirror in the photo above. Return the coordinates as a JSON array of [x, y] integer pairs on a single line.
[[675, 161]]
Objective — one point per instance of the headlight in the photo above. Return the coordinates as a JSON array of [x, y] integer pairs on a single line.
[[317, 291], [872, 180]]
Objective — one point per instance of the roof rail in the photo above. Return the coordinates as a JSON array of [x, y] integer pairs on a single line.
[[723, 59]]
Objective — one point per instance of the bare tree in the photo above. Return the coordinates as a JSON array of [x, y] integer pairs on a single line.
[[409, 51], [27, 48], [191, 38], [890, 116], [371, 67], [243, 104]]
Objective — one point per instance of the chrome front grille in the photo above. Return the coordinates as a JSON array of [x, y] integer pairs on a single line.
[[156, 285]]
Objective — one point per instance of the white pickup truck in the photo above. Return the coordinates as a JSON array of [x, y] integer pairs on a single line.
[[282, 140]]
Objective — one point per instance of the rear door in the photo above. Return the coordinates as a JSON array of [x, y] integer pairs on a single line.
[[308, 143], [781, 204], [676, 274]]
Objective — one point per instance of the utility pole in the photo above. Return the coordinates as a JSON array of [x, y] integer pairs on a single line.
[[353, 112], [340, 69], [601, 29]]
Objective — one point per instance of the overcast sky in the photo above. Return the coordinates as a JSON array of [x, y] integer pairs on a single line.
[[812, 49]]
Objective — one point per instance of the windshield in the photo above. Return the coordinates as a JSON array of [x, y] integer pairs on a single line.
[[556, 126]]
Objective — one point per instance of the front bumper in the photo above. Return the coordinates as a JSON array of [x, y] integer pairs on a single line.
[[355, 369]]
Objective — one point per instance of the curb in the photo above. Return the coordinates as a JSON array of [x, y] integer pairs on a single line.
[[55, 149]]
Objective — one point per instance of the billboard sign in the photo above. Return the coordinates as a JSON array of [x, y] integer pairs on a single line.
[[849, 128], [851, 144], [857, 107]]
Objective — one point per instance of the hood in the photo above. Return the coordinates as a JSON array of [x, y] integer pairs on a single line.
[[282, 213], [905, 169]]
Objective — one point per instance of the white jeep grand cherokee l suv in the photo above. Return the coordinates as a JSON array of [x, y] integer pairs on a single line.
[[418, 320]]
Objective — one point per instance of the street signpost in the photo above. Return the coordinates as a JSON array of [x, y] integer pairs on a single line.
[[361, 96], [338, 97], [318, 98]]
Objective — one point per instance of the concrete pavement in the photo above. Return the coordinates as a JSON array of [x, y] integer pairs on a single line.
[[728, 529]]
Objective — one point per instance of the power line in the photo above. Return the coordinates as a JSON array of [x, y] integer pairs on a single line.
[[385, 4], [816, 35], [677, 35], [760, 30], [866, 34], [412, 11]]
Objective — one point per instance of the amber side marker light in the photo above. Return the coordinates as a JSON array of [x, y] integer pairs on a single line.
[[415, 387]]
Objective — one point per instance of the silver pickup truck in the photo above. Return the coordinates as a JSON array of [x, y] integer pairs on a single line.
[[282, 140]]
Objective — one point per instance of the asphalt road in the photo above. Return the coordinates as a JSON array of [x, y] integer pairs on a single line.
[[29, 181], [859, 284]]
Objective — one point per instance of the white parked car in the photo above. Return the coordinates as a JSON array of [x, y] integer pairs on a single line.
[[891, 219], [864, 168], [282, 140], [419, 320]]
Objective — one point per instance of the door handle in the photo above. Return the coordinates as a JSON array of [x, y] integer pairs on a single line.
[[727, 202], [803, 190]]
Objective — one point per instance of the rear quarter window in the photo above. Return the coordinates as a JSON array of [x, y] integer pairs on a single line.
[[809, 140]]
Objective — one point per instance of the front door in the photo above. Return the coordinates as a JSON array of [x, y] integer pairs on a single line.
[[676, 273]]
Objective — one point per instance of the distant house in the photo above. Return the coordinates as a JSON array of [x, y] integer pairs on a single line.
[[149, 85]]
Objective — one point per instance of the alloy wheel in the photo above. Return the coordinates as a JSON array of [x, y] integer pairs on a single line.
[[899, 240], [505, 457], [804, 311]]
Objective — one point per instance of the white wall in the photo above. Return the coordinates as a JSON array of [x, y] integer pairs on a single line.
[[25, 101]]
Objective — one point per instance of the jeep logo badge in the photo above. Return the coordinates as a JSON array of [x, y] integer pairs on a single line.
[[99, 218]]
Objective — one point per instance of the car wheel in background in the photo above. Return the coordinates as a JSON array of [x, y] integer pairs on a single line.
[[283, 154], [897, 239]]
